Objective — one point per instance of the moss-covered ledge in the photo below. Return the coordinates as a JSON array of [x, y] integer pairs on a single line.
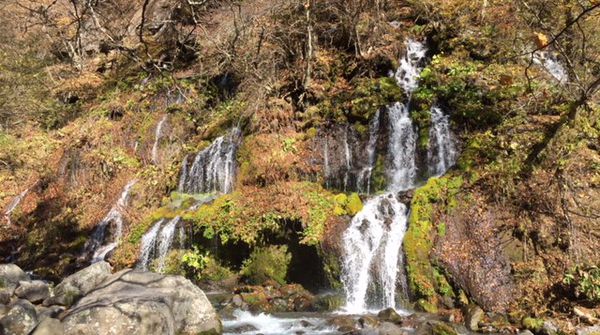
[[426, 282]]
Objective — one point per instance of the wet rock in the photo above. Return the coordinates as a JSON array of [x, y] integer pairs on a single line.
[[20, 319], [525, 332], [343, 323], [389, 328], [368, 322], [132, 302], [35, 291], [242, 329], [237, 300], [49, 326], [473, 316], [78, 284], [442, 328], [11, 275], [306, 324], [389, 314]]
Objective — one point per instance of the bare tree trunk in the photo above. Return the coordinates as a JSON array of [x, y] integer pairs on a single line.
[[309, 47]]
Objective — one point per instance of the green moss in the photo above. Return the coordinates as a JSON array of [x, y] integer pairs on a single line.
[[439, 194], [354, 204], [532, 324], [441, 328], [271, 262], [426, 306]]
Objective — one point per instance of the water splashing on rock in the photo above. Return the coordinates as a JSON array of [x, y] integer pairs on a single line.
[[213, 169], [97, 246], [158, 241], [157, 136], [442, 151]]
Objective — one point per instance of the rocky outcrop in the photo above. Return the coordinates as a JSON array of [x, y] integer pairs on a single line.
[[10, 276], [79, 284], [132, 302], [125, 303]]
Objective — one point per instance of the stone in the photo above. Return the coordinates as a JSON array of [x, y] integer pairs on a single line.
[[49, 326], [35, 291], [11, 275], [20, 319], [5, 295], [343, 323], [389, 328], [594, 330], [134, 303], [549, 328], [473, 316], [525, 332], [49, 312], [390, 315], [368, 322], [237, 300], [78, 284], [442, 328]]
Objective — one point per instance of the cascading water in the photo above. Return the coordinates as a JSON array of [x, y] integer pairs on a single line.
[[372, 244], [14, 204], [442, 151], [96, 245], [213, 169], [364, 179], [552, 65], [157, 136], [158, 241], [347, 158]]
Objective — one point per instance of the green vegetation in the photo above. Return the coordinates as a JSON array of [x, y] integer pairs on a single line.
[[584, 283], [268, 263], [436, 197]]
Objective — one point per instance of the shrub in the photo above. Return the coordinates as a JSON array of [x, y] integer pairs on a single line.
[[584, 283], [271, 262]]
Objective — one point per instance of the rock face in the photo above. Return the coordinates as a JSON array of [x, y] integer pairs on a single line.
[[79, 284], [131, 302]]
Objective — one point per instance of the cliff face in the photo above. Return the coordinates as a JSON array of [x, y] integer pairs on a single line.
[[132, 91]]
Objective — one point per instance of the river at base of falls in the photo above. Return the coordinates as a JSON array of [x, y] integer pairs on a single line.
[[247, 323]]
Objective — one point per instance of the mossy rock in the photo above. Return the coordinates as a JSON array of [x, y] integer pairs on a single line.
[[442, 328]]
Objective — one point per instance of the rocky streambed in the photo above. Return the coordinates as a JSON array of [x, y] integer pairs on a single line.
[[97, 301]]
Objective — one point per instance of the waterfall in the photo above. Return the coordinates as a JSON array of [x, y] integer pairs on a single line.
[[372, 243], [442, 152], [148, 245], [14, 204], [552, 65], [374, 237], [365, 175], [348, 159], [402, 148], [326, 161], [213, 169], [95, 244], [157, 242], [157, 135]]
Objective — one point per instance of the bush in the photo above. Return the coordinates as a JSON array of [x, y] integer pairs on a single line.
[[584, 283], [271, 262]]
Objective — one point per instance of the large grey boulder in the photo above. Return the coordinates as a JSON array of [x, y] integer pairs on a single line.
[[11, 275], [20, 319], [34, 291], [49, 326], [132, 302], [79, 284]]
